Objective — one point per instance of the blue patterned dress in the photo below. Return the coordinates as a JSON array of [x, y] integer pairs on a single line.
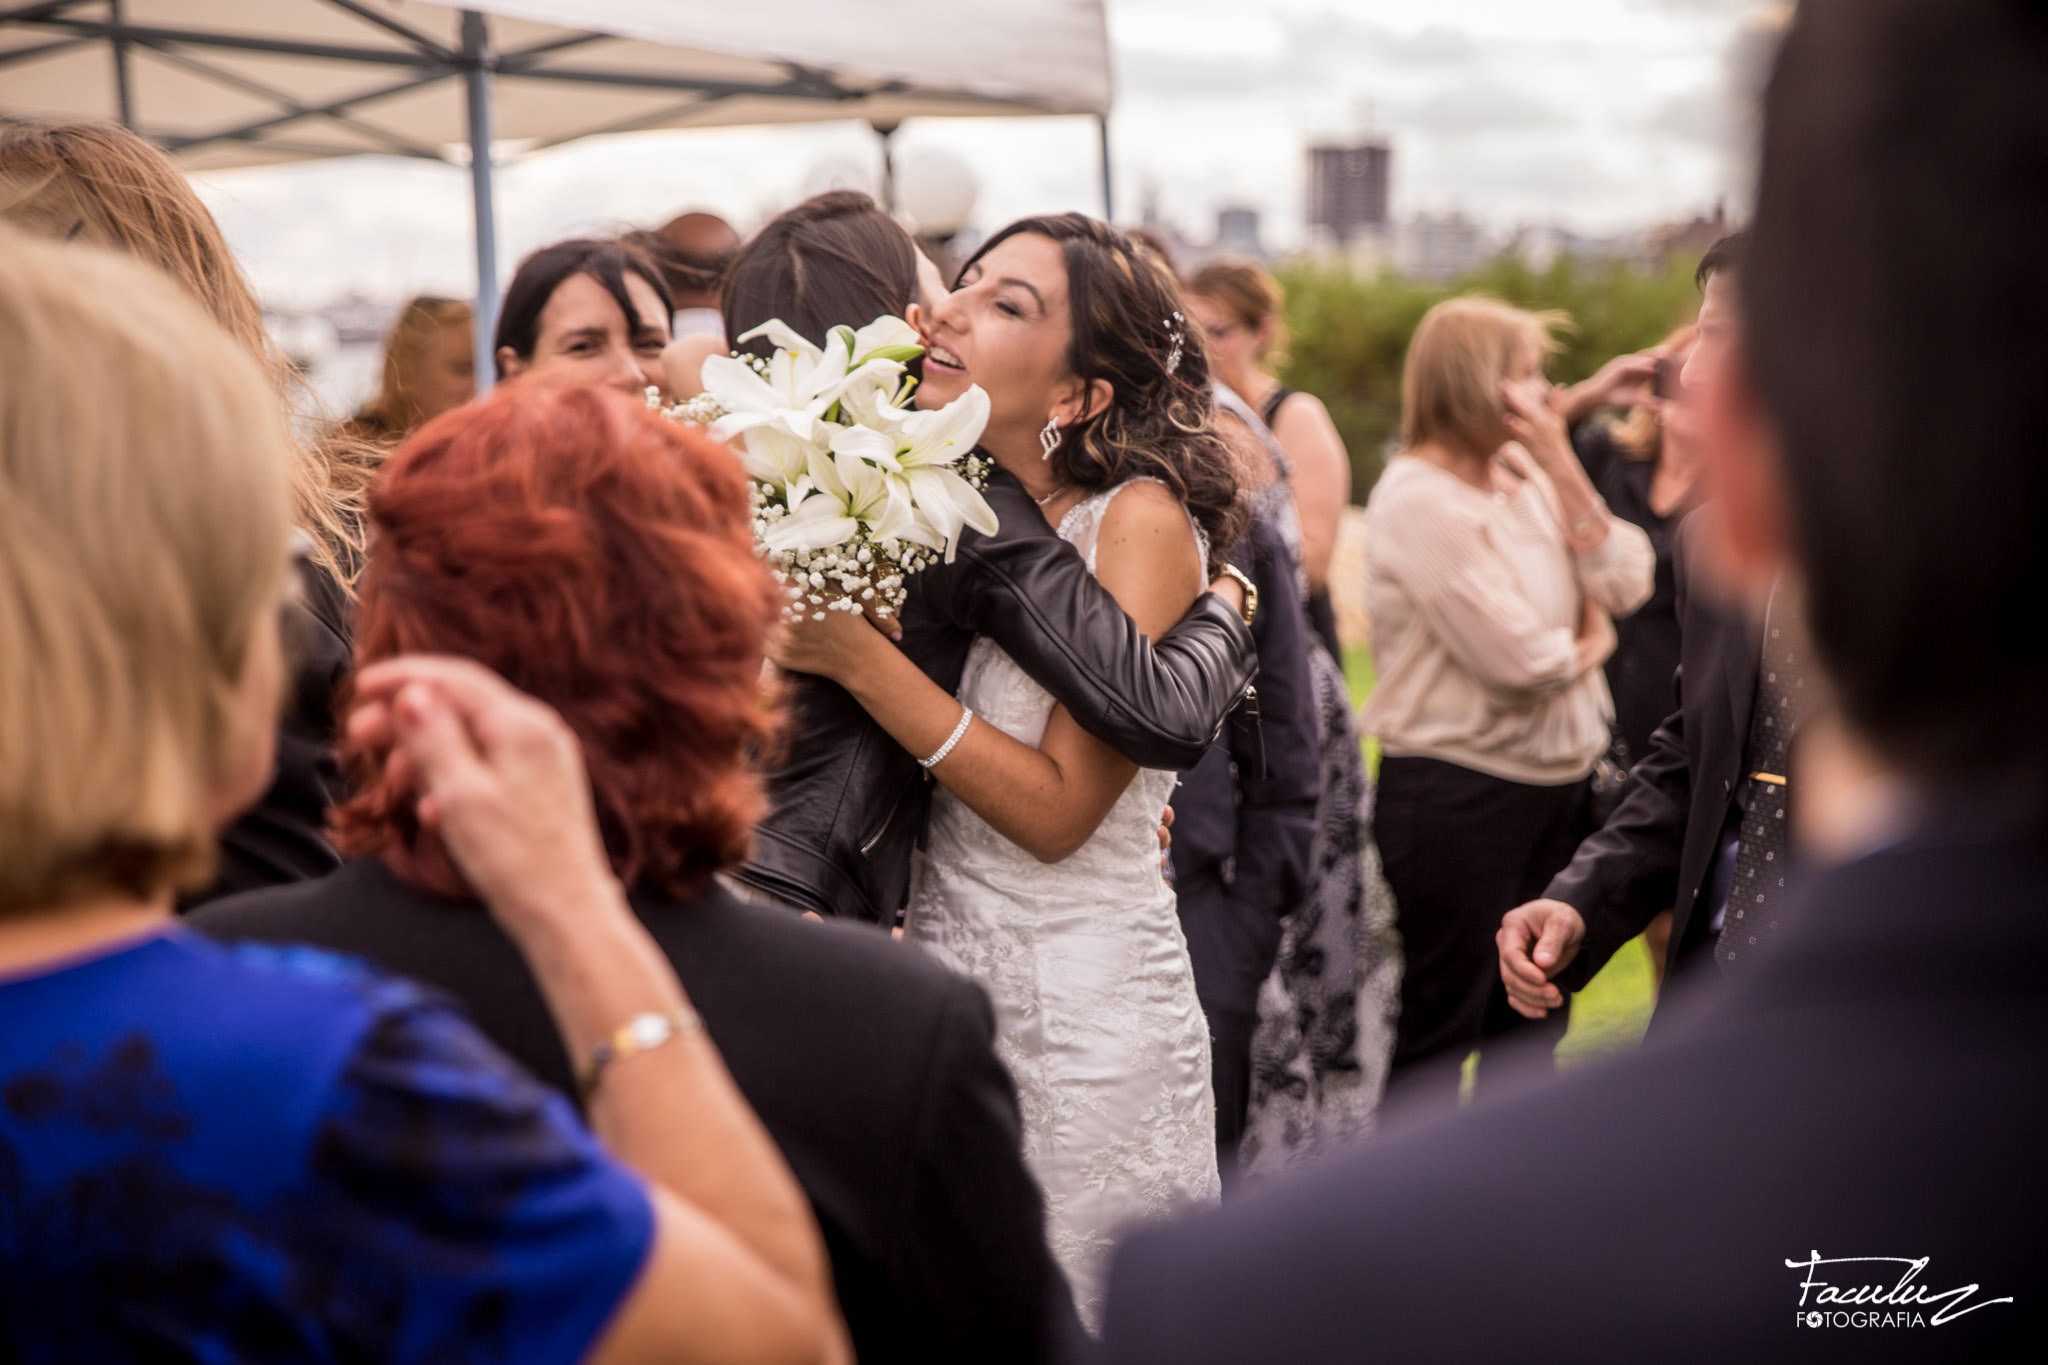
[[216, 1153]]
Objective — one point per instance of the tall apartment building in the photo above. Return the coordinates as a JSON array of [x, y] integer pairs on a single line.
[[1347, 190]]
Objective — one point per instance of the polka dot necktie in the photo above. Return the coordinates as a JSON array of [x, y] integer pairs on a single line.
[[1757, 891]]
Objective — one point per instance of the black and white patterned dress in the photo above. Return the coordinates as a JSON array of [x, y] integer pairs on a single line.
[[1326, 1012]]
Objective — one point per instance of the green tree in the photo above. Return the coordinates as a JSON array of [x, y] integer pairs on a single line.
[[1348, 335]]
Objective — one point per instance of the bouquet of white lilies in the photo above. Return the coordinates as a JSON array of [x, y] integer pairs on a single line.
[[853, 489]]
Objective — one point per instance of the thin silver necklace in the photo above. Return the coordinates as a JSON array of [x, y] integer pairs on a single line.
[[1050, 496]]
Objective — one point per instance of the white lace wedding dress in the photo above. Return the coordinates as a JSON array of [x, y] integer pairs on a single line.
[[1095, 1003]]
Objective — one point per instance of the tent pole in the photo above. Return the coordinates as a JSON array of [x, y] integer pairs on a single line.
[[1108, 179], [887, 132], [476, 76], [123, 94]]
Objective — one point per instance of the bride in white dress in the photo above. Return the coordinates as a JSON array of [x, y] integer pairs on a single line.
[[1042, 877], [1096, 1014]]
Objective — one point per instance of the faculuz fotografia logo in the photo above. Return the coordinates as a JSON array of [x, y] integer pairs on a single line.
[[1878, 1291]]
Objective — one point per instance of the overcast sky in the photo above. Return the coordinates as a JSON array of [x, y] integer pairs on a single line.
[[1592, 114]]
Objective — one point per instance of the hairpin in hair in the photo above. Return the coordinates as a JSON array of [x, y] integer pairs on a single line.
[[1178, 336]]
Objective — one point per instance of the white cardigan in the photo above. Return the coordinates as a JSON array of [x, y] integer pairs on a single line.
[[1475, 599]]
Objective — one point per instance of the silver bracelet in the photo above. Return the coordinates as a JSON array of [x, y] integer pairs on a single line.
[[966, 719]]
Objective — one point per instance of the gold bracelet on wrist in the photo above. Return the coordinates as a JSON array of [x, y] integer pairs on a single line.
[[641, 1033]]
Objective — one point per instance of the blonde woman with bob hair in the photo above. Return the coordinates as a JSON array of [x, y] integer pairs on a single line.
[[1493, 572], [298, 1159], [101, 185]]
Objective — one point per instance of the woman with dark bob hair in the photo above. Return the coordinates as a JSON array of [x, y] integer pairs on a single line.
[[848, 804], [238, 1153], [586, 311], [1042, 876], [600, 558]]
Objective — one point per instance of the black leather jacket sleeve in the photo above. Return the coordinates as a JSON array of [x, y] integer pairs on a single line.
[[1276, 814], [1160, 705]]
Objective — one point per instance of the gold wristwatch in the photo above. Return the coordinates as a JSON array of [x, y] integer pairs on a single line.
[[1251, 591], [642, 1033]]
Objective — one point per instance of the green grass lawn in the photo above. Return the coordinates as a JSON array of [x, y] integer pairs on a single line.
[[1613, 1009]]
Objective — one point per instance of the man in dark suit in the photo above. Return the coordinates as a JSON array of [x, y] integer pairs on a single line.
[[1832, 1154], [1674, 841], [873, 1068]]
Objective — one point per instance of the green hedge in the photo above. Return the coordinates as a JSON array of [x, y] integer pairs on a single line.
[[1347, 335]]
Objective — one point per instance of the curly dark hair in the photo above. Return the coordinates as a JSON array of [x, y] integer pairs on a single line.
[[600, 558], [1130, 329]]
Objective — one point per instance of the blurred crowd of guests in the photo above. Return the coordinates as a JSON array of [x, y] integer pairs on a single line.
[[1720, 645]]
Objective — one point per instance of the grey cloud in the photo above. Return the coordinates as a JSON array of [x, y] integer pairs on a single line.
[[1320, 38], [1318, 51], [1154, 72], [1555, 177], [1699, 115], [1474, 109], [1711, 9]]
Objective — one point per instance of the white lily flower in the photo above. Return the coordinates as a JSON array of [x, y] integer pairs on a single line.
[[771, 455], [799, 386], [750, 400], [882, 406], [819, 520], [869, 443], [947, 504], [850, 493], [787, 340], [887, 338], [929, 445], [920, 451], [852, 489], [944, 436]]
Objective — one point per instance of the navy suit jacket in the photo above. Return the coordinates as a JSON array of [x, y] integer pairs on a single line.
[[1868, 1088], [1657, 848]]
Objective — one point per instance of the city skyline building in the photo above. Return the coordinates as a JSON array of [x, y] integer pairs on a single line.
[[1348, 190]]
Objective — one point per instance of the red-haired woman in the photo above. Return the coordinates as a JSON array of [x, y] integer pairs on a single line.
[[600, 558]]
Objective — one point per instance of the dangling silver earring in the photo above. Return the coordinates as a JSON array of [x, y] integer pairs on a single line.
[[1049, 438]]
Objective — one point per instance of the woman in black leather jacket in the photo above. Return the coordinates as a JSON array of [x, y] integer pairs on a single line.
[[849, 804]]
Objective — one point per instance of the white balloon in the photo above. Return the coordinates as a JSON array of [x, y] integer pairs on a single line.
[[936, 188], [840, 172]]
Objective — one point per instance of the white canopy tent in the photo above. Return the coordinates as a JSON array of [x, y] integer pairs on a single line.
[[227, 83]]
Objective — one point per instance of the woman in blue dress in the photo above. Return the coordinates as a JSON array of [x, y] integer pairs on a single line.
[[229, 1154]]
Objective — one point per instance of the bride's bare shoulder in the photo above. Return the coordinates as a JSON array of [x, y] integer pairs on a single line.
[[1147, 555], [1144, 512]]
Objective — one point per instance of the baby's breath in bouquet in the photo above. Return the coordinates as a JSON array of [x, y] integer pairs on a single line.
[[854, 490]]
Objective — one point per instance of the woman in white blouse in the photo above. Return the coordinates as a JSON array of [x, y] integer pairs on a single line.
[[1493, 572]]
